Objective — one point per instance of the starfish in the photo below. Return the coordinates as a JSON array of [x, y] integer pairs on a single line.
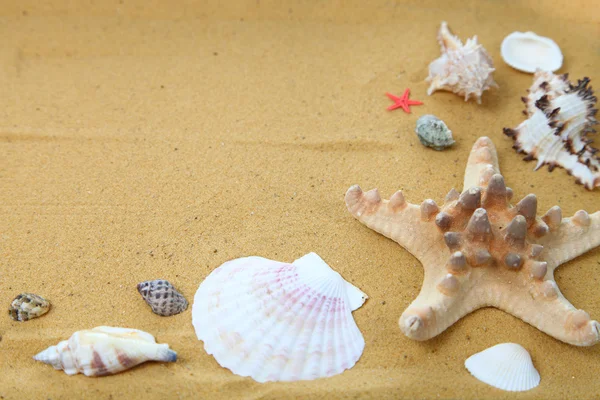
[[479, 251], [403, 102]]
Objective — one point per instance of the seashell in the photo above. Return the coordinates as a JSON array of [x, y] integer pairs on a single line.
[[434, 133], [162, 297], [463, 69], [506, 366], [275, 321], [528, 52], [560, 117], [105, 350], [27, 306]]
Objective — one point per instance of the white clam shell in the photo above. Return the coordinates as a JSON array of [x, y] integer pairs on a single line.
[[506, 366], [105, 350], [276, 321], [528, 52]]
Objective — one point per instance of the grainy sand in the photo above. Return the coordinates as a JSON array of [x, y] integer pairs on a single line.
[[144, 140]]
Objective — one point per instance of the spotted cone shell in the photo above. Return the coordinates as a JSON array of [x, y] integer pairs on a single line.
[[162, 297]]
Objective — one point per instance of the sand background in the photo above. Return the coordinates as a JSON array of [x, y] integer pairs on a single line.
[[145, 139]]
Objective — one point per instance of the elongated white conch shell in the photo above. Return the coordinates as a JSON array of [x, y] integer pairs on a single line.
[[465, 70], [105, 350], [275, 321], [529, 52], [560, 116], [506, 366]]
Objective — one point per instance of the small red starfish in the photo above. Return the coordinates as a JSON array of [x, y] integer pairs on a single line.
[[403, 102]]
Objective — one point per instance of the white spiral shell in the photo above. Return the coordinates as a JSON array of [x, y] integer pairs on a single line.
[[105, 350], [463, 69], [275, 321], [506, 366]]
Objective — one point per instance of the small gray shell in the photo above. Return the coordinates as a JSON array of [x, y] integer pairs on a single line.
[[27, 306], [162, 297], [434, 133]]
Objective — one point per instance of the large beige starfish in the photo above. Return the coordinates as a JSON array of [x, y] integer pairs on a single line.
[[478, 251]]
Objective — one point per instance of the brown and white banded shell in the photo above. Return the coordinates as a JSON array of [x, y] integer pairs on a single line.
[[560, 117], [463, 69], [105, 350], [27, 306], [162, 297]]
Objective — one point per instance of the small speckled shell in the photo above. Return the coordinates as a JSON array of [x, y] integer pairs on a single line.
[[434, 133], [162, 297], [27, 306]]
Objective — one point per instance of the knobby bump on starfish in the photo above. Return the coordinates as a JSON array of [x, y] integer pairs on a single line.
[[477, 250], [403, 102]]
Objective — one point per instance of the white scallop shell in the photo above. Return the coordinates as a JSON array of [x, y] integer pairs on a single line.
[[506, 366], [276, 321], [528, 52], [105, 350]]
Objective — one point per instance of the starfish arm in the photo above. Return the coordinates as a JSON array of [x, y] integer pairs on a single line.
[[395, 218], [482, 163], [544, 307], [405, 95], [392, 97], [572, 238], [439, 304]]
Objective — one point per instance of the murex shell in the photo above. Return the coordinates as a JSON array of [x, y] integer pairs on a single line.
[[105, 350], [434, 133], [27, 306], [506, 366], [162, 297], [528, 52], [465, 70], [560, 116], [275, 321]]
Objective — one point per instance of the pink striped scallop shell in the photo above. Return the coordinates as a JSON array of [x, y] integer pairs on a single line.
[[275, 321]]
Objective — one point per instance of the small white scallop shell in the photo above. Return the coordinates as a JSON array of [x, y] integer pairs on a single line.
[[105, 350], [528, 52], [506, 366], [276, 321]]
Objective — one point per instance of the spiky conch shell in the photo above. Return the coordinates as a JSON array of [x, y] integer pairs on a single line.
[[105, 350], [561, 115], [506, 366], [465, 70], [276, 321]]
